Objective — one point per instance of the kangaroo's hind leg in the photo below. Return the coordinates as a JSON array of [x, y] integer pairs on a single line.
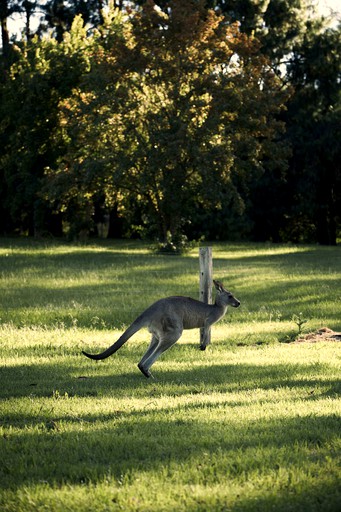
[[152, 347], [166, 340]]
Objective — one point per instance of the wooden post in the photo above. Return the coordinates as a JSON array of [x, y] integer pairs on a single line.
[[205, 293]]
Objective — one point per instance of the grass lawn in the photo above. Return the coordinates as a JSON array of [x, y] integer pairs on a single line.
[[252, 424]]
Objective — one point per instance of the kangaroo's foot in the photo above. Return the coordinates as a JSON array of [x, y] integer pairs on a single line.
[[146, 373], [202, 347]]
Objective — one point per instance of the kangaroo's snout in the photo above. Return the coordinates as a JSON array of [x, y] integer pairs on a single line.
[[236, 304]]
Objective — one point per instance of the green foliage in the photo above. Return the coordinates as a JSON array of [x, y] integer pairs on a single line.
[[59, 16], [168, 121], [277, 24], [43, 74], [314, 122], [299, 321], [176, 114], [178, 244]]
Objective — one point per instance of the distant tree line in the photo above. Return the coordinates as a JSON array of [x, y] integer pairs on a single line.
[[171, 120]]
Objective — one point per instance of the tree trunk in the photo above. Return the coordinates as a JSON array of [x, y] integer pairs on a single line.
[[326, 228], [4, 38], [115, 224], [326, 207]]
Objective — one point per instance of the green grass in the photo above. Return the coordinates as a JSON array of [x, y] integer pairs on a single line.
[[252, 424]]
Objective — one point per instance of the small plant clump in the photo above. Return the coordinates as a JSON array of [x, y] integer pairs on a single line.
[[176, 245], [299, 321]]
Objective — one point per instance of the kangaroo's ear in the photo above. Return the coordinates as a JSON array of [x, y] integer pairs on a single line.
[[219, 286]]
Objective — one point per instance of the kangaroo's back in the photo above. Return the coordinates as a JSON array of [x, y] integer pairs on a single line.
[[181, 311]]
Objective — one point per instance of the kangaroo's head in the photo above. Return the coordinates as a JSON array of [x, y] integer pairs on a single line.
[[224, 297]]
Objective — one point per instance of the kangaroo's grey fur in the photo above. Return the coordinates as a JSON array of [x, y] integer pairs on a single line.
[[167, 318]]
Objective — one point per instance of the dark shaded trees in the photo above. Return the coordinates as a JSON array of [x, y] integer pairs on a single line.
[[59, 14], [314, 130], [44, 73]]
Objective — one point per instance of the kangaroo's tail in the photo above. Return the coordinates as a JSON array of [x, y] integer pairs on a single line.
[[135, 326]]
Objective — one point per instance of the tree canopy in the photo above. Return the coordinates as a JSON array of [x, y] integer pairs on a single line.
[[172, 120]]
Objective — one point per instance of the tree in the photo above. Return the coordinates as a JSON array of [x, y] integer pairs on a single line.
[[178, 113], [7, 8], [276, 23], [314, 120], [29, 8], [305, 202], [59, 14], [43, 74]]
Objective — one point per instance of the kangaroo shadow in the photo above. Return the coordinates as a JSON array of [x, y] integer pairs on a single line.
[[100, 379]]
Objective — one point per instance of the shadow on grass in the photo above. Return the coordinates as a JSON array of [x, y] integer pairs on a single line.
[[318, 496], [41, 380], [141, 442], [41, 301], [203, 440]]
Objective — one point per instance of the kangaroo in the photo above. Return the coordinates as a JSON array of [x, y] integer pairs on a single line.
[[167, 318]]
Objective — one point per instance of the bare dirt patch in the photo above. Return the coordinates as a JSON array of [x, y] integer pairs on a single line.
[[323, 334]]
